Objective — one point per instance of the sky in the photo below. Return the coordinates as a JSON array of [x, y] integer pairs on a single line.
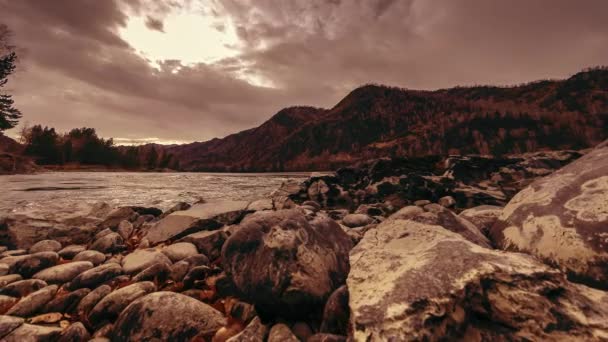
[[171, 71]]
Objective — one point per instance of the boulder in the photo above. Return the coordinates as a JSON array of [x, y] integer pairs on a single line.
[[180, 206], [142, 259], [563, 219], [255, 331], [32, 263], [414, 281], [112, 305], [447, 201], [6, 302], [152, 318], [179, 251], [208, 242], [259, 205], [21, 231], [63, 273], [66, 303], [158, 273], [9, 278], [33, 302], [76, 332], [69, 252], [110, 243], [483, 216], [118, 215], [284, 264], [8, 324], [336, 313], [179, 270], [95, 257], [89, 301], [357, 220], [322, 337], [205, 216], [45, 246], [4, 269], [22, 288], [125, 228], [281, 333], [95, 276], [31, 332]]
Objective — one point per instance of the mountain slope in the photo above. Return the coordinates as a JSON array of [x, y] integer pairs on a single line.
[[377, 121]]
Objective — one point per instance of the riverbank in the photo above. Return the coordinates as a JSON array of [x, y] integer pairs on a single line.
[[403, 249]]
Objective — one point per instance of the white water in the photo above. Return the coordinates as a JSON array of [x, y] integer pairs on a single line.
[[55, 194]]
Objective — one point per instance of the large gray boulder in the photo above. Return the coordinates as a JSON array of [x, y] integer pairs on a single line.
[[412, 281], [285, 264], [153, 317], [112, 305], [204, 216], [563, 219]]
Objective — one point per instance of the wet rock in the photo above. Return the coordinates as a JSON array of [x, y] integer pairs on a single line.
[[281, 333], [13, 252], [414, 281], [284, 264], [254, 332], [422, 203], [336, 313], [159, 273], [357, 220], [326, 338], [206, 216], [6, 302], [483, 216], [66, 303], [447, 201], [45, 246], [21, 231], [196, 274], [31, 332], [179, 251], [22, 288], [63, 273], [4, 269], [301, 330], [259, 205], [33, 263], [179, 270], [110, 243], [563, 219], [95, 276], [337, 214], [181, 206], [95, 257], [242, 311], [9, 323], [104, 331], [69, 252], [103, 233], [112, 305], [371, 209], [33, 302], [76, 332], [142, 259], [125, 228], [118, 215], [10, 278], [90, 300], [208, 242], [151, 317]]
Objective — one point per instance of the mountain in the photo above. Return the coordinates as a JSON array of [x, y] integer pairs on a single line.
[[377, 121], [11, 158]]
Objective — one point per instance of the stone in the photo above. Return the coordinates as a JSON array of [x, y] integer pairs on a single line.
[[259, 205], [242, 311], [208, 242], [63, 273], [336, 313], [31, 332], [180, 206], [69, 252], [125, 228], [483, 216], [9, 323], [22, 288], [322, 337], [45, 246], [90, 300], [95, 257], [33, 302], [110, 306], [13, 252], [6, 302], [422, 203], [159, 273], [205, 216], [152, 317], [76, 332], [284, 264], [562, 219], [4, 269], [301, 330], [255, 331], [104, 331], [196, 275], [33, 263], [143, 258], [407, 212], [95, 276], [66, 303], [10, 278], [179, 251], [103, 233], [281, 333], [179, 270], [110, 243], [22, 232], [357, 220], [415, 281], [447, 201], [118, 215]]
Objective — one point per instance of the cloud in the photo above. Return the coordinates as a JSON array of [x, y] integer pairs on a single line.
[[77, 69]]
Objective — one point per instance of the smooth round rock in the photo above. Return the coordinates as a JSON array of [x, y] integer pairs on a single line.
[[357, 220], [22, 288], [69, 252], [63, 273], [109, 243], [45, 246], [33, 302], [111, 305], [97, 258], [95, 276], [142, 259], [179, 251], [76, 332], [152, 317]]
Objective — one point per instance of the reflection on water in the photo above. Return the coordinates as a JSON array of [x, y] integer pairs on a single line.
[[73, 193]]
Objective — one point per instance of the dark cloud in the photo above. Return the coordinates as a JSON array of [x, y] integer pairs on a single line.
[[77, 70]]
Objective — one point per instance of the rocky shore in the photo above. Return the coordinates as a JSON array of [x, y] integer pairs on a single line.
[[468, 248]]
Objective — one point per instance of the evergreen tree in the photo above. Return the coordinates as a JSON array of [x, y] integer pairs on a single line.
[[9, 115]]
